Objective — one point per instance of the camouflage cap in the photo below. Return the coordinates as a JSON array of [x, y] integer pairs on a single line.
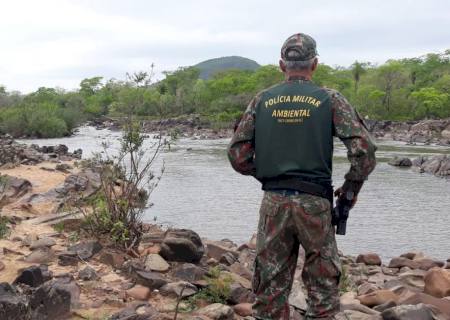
[[298, 47]]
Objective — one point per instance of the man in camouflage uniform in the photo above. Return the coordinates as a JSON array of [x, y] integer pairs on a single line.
[[285, 140]]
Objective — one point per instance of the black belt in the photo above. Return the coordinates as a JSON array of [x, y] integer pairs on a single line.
[[301, 185]]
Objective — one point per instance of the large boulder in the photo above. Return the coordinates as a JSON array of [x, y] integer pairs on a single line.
[[31, 276], [52, 300], [400, 162], [437, 282], [180, 245], [433, 165], [370, 259]]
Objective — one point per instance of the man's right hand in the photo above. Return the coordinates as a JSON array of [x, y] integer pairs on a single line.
[[339, 192]]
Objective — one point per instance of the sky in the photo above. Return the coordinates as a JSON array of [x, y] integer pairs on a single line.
[[57, 43]]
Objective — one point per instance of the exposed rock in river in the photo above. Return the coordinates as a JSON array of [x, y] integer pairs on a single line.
[[425, 131]]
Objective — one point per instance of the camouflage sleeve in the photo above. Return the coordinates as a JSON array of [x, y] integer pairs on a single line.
[[351, 130], [241, 151]]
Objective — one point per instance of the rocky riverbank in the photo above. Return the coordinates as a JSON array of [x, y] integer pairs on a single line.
[[192, 126], [411, 132], [50, 270]]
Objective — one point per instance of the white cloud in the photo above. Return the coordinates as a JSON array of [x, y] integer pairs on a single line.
[[58, 43]]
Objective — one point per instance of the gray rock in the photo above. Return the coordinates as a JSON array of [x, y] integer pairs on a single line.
[[408, 312], [13, 306], [51, 301], [385, 306], [419, 161], [217, 311], [400, 162], [31, 276], [413, 278], [85, 250], [239, 294], [88, 274], [29, 238], [356, 315], [360, 308], [154, 262], [183, 288], [366, 288], [228, 259], [68, 258], [433, 164], [42, 255], [141, 311], [13, 189], [216, 250], [151, 280], [41, 243], [63, 167], [189, 272], [182, 245]]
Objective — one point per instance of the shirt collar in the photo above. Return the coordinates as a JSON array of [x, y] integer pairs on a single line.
[[294, 78]]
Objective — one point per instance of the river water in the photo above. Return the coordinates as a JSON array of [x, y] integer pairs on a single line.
[[398, 210]]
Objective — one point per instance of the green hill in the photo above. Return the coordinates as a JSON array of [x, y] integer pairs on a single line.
[[212, 66]]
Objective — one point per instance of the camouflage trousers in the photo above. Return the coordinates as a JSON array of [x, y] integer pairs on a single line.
[[287, 220]]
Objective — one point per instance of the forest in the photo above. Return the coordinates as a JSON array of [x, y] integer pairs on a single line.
[[401, 90]]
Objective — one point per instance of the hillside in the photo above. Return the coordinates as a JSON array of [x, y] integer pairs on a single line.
[[212, 66]]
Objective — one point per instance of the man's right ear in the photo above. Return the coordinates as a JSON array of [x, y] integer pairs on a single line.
[[315, 64], [282, 65]]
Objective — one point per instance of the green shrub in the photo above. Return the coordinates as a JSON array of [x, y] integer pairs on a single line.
[[4, 228], [217, 291], [52, 127]]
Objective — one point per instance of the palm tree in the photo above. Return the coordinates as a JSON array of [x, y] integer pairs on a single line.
[[358, 68]]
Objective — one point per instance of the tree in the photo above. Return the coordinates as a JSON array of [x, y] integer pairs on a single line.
[[392, 76], [89, 86], [358, 69], [431, 103]]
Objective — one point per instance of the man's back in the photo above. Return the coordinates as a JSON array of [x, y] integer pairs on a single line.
[[293, 125]]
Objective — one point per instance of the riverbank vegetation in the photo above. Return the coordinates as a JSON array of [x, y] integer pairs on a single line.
[[405, 89]]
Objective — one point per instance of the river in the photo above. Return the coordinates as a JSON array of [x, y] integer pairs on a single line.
[[398, 210]]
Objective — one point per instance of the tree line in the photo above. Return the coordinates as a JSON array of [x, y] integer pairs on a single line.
[[404, 89]]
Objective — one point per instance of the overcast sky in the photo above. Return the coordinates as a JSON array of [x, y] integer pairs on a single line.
[[59, 43]]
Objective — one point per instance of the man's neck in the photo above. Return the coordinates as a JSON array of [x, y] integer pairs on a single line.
[[298, 75]]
